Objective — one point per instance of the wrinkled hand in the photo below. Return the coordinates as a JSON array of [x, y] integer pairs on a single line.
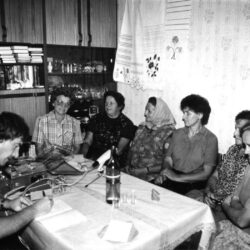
[[159, 180], [43, 206], [17, 204], [170, 174], [209, 199]]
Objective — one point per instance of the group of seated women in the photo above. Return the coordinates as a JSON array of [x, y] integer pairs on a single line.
[[184, 160]]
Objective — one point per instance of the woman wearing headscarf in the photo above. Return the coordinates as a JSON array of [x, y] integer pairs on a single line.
[[151, 141]]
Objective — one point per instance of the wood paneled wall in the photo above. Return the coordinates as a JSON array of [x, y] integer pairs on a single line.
[[29, 107]]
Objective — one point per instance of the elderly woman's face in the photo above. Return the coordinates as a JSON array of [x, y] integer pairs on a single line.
[[111, 107], [149, 111], [61, 104], [190, 118]]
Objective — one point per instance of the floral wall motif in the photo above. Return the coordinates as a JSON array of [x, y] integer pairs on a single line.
[[214, 62]]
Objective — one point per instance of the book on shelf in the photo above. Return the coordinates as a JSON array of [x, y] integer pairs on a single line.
[[19, 47], [19, 51], [7, 56], [21, 55], [5, 48], [36, 54], [9, 60], [35, 49], [5, 52]]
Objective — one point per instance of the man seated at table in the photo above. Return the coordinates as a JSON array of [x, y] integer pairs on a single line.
[[237, 209], [13, 130], [57, 129]]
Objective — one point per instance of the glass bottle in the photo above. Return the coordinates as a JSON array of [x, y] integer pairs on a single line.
[[113, 178]]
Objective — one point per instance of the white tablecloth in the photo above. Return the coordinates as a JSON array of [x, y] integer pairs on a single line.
[[161, 224]]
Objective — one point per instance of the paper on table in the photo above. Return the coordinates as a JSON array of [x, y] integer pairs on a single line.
[[79, 162], [119, 231], [61, 216]]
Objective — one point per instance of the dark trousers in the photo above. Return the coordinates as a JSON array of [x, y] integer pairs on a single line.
[[183, 187]]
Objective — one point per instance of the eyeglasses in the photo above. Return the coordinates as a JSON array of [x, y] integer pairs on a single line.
[[62, 104]]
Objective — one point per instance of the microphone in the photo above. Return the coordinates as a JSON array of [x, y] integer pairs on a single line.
[[101, 160]]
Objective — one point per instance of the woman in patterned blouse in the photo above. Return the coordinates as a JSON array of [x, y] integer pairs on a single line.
[[147, 150], [229, 173]]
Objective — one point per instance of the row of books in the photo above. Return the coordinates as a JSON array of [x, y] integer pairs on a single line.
[[21, 54]]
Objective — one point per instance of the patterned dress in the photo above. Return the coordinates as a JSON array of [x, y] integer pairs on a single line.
[[148, 149], [230, 172]]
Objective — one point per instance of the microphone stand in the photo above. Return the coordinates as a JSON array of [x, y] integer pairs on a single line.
[[95, 179]]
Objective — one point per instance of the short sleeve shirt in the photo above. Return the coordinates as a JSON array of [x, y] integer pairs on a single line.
[[191, 154], [108, 131], [48, 130]]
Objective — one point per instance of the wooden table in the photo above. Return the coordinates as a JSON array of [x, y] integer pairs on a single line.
[[161, 224]]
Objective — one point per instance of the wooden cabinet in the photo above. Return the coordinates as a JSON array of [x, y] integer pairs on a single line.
[[24, 21], [103, 23], [62, 22]]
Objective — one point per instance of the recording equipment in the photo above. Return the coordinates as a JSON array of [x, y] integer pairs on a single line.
[[101, 160], [24, 174]]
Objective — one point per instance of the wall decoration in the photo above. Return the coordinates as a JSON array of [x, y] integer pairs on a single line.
[[174, 48], [153, 65]]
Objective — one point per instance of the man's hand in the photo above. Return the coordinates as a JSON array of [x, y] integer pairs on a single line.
[[43, 206], [17, 204]]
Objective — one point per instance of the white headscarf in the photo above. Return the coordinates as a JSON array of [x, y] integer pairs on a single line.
[[161, 116]]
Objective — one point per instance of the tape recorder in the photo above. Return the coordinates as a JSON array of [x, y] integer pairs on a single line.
[[21, 174]]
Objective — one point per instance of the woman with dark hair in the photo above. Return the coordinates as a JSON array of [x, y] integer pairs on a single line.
[[108, 129], [151, 140], [193, 150]]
